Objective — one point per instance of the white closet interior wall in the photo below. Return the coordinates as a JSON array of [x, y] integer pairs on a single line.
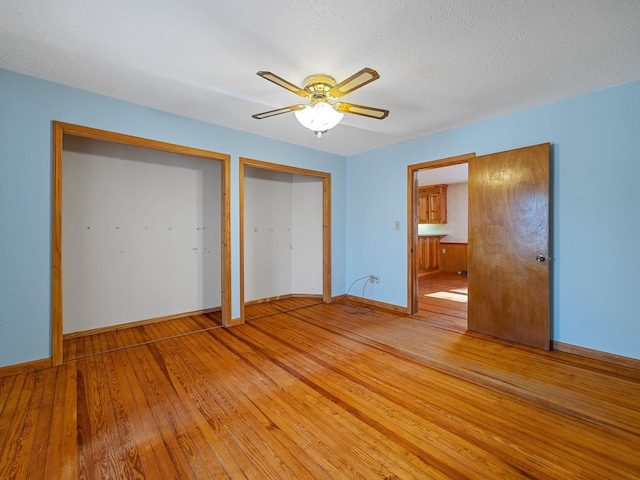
[[141, 234]]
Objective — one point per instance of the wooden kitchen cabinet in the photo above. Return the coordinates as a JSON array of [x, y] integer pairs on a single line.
[[432, 204], [423, 207], [428, 254]]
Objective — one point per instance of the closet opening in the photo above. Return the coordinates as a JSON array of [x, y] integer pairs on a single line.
[[285, 232], [140, 236]]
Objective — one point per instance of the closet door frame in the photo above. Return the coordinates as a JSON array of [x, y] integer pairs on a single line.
[[326, 222], [60, 129]]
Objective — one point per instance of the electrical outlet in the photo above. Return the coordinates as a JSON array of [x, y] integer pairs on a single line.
[[374, 278]]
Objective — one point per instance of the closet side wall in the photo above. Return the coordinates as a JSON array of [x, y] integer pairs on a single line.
[[306, 265]]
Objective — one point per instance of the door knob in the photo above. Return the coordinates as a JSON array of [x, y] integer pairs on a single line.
[[541, 258]]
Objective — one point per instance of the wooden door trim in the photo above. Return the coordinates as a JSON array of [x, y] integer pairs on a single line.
[[326, 221], [61, 129], [412, 220]]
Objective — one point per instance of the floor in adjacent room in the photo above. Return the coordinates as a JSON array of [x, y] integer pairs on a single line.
[[443, 297]]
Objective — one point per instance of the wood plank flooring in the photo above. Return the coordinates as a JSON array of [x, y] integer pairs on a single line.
[[256, 311], [318, 393], [75, 348]]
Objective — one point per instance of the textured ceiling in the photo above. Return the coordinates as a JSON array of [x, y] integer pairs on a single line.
[[442, 63]]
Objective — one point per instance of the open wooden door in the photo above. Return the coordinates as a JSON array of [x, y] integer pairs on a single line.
[[509, 245]]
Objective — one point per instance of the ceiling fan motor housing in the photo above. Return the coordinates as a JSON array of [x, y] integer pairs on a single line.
[[318, 86]]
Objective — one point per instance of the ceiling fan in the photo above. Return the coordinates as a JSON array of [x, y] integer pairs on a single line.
[[321, 114]]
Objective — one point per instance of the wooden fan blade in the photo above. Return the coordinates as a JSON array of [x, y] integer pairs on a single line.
[[279, 111], [360, 79], [272, 77], [372, 112]]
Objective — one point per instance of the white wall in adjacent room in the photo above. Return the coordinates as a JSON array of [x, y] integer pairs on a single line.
[[457, 213], [141, 234]]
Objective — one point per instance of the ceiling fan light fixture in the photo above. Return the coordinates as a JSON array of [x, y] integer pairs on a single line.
[[319, 117]]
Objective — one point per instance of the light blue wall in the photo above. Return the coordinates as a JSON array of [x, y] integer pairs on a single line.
[[595, 206], [27, 108], [596, 225]]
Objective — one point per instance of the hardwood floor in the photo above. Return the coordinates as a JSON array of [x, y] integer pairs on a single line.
[[75, 348], [317, 393], [256, 311]]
